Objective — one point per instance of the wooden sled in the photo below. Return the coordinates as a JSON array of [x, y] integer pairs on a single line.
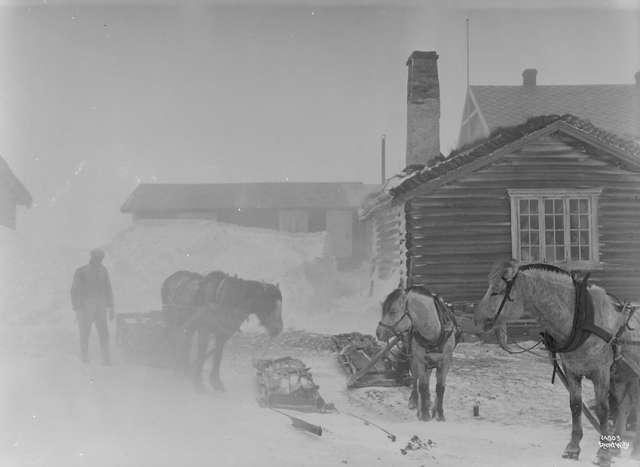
[[367, 363], [287, 383]]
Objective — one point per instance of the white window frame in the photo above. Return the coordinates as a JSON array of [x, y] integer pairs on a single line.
[[592, 194]]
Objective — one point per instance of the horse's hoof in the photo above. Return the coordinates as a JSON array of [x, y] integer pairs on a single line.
[[571, 454], [412, 405], [603, 458], [602, 462], [218, 386], [424, 417], [441, 418]]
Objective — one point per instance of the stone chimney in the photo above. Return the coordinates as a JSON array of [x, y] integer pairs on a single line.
[[423, 108], [529, 77]]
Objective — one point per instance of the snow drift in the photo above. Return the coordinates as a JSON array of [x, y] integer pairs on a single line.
[[141, 257], [36, 276]]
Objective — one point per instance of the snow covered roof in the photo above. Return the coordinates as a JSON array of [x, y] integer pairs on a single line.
[[612, 107], [22, 195], [211, 196], [474, 156]]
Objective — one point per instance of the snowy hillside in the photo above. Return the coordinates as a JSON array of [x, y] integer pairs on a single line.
[[36, 276], [141, 257]]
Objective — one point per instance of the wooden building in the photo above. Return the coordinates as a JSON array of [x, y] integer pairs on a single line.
[[612, 107], [292, 207], [554, 189], [12, 194]]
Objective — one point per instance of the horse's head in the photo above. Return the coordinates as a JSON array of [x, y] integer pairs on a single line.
[[501, 302], [269, 309], [395, 319]]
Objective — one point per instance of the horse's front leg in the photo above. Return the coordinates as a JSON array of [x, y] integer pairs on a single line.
[[203, 343], [214, 377], [601, 388], [422, 375], [441, 378], [574, 383], [413, 398]]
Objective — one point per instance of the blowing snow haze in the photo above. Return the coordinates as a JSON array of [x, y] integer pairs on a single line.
[[98, 97]]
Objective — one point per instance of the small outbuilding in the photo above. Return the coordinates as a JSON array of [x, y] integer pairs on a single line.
[[287, 206]]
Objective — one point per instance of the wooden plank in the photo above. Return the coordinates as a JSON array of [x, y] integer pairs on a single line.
[[373, 361]]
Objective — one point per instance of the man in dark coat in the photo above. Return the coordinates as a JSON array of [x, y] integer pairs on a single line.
[[92, 301]]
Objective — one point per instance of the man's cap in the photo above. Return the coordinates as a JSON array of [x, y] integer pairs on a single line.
[[97, 253]]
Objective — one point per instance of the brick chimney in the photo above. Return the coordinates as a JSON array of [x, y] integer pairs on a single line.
[[529, 77], [423, 108]]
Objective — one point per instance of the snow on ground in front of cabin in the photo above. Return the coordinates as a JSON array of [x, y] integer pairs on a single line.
[[59, 412]]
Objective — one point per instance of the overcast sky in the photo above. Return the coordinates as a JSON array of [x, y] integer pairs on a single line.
[[96, 97]]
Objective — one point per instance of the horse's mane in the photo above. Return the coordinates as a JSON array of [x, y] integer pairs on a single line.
[[544, 267], [391, 298], [421, 289]]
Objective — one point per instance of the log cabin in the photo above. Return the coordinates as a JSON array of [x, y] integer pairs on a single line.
[[554, 188]]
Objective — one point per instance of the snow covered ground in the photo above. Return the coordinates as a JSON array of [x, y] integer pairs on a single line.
[[55, 411]]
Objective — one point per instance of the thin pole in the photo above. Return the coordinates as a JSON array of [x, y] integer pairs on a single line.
[[467, 27], [383, 160]]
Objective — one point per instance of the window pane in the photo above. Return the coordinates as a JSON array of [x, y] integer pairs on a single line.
[[534, 222], [584, 222], [584, 252], [584, 206], [574, 237], [558, 205], [524, 238], [524, 254], [573, 222], [573, 206], [584, 237], [575, 252], [524, 222], [534, 237], [559, 220], [549, 256], [560, 237], [524, 206], [534, 206], [548, 222], [548, 206], [535, 254], [548, 237], [559, 253]]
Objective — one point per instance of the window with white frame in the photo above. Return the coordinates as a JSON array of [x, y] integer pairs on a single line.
[[557, 227]]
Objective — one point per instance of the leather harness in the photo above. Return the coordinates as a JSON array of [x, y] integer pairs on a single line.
[[448, 323], [583, 318]]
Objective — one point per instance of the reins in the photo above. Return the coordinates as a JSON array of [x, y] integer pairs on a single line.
[[507, 296]]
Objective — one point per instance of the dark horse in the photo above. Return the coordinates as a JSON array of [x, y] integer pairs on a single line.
[[216, 305], [432, 333]]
